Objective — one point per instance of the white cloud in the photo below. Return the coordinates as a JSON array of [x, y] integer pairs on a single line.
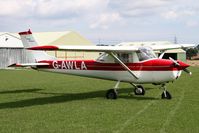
[[177, 14], [192, 23], [123, 16], [73, 7], [170, 15], [58, 10], [139, 8], [129, 4], [14, 8], [189, 12], [105, 20], [50, 8]]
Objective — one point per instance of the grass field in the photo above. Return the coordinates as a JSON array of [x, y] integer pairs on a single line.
[[39, 102]]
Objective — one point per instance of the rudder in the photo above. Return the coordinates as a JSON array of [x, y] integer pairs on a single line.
[[29, 41]]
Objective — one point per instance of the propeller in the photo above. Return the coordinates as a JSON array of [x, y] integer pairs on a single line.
[[177, 64], [187, 71], [174, 61]]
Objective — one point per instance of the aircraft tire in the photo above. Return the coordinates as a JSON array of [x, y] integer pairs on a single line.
[[168, 95], [111, 94], [139, 90]]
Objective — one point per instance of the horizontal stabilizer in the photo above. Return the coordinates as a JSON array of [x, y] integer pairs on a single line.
[[29, 64]]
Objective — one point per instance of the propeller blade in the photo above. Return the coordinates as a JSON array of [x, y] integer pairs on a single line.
[[161, 56], [174, 61], [187, 71]]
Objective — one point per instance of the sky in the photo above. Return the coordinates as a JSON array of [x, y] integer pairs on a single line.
[[106, 20]]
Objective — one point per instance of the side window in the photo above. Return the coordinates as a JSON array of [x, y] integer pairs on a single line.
[[124, 57], [105, 58]]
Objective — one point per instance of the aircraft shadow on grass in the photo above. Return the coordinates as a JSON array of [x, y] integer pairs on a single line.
[[20, 91], [62, 97]]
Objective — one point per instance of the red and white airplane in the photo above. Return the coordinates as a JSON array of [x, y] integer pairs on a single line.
[[132, 64]]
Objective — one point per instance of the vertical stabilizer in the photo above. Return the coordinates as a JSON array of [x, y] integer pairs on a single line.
[[29, 41]]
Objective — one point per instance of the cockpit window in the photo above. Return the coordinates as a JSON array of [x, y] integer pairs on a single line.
[[145, 53]]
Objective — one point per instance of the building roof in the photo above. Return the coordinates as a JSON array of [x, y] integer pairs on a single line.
[[175, 51], [61, 38], [12, 40]]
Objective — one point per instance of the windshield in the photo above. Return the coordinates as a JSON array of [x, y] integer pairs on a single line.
[[145, 53]]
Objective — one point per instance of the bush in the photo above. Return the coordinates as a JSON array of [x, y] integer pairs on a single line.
[[191, 52]]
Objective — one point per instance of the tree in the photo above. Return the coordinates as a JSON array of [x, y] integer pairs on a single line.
[[191, 52], [197, 46]]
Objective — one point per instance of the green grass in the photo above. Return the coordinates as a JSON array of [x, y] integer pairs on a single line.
[[39, 102]]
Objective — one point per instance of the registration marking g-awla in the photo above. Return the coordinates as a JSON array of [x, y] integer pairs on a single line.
[[69, 65]]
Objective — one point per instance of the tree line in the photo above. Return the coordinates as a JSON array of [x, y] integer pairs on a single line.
[[192, 52]]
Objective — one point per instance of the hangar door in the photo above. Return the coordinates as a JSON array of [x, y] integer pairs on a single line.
[[172, 55]]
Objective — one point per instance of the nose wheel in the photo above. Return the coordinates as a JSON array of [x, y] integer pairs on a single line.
[[165, 94]]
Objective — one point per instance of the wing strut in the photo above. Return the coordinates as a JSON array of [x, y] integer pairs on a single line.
[[122, 64]]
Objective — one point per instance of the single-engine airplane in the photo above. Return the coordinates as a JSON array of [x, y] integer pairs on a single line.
[[132, 64]]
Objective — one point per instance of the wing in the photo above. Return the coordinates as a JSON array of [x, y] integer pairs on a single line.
[[109, 48], [171, 46], [87, 48]]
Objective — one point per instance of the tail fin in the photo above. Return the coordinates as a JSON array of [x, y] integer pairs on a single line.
[[29, 41]]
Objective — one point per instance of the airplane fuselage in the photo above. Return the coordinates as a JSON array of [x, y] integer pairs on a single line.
[[150, 71]]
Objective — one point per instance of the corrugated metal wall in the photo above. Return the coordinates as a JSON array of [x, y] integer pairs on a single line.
[[181, 56], [10, 56]]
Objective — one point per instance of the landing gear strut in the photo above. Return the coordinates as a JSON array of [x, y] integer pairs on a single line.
[[165, 94], [139, 90], [112, 93]]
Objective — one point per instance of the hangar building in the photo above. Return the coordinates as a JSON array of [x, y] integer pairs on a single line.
[[11, 47]]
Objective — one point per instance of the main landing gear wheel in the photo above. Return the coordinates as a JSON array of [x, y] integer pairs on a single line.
[[166, 95], [111, 94], [139, 90]]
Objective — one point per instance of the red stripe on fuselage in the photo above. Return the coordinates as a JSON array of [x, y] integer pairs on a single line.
[[150, 65]]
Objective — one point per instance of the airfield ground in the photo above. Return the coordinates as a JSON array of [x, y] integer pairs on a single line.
[[39, 102], [193, 62]]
